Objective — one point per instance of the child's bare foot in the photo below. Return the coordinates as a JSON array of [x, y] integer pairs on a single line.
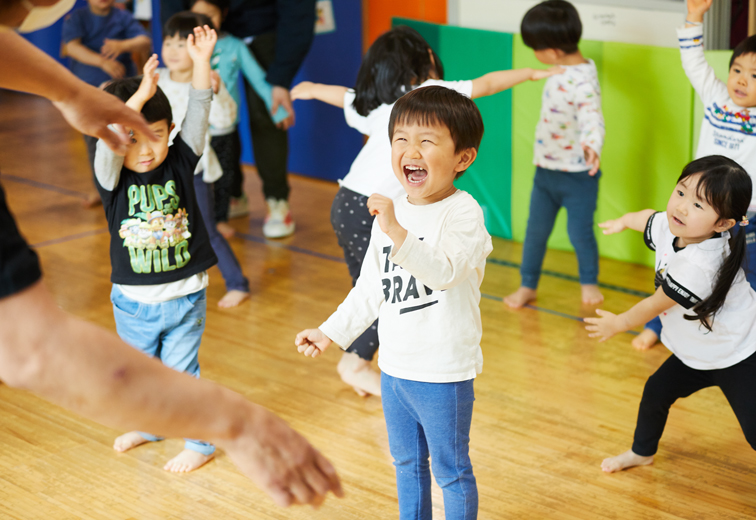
[[92, 201], [358, 373], [186, 461], [520, 297], [645, 340], [232, 299], [225, 229], [591, 294], [127, 441], [624, 461]]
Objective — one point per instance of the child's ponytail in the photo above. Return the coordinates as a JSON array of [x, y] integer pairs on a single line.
[[726, 187], [398, 60]]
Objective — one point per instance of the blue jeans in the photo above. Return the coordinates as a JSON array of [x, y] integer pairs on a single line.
[[433, 419], [227, 262], [749, 265], [170, 331], [578, 193]]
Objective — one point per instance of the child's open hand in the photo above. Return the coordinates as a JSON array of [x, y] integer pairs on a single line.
[[604, 327], [312, 342], [542, 74], [591, 159], [200, 45], [111, 49], [697, 8], [611, 227], [148, 86], [303, 91]]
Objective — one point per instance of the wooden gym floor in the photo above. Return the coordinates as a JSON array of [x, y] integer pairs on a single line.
[[551, 402]]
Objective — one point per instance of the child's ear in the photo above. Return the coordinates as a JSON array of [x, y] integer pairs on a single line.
[[724, 224], [466, 158], [170, 128]]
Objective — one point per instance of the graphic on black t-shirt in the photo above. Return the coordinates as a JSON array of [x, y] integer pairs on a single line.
[[157, 230]]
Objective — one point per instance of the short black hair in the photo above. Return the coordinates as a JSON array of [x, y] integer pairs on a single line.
[[747, 46], [183, 24], [223, 5], [435, 105], [157, 108], [554, 24]]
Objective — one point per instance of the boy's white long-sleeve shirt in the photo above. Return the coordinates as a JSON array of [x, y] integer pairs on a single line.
[[426, 294], [727, 128], [571, 118], [222, 115]]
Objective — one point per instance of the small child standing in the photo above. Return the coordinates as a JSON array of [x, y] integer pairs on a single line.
[[159, 248], [175, 80], [702, 297], [569, 138], [421, 275], [727, 127], [99, 39], [230, 57], [399, 61]]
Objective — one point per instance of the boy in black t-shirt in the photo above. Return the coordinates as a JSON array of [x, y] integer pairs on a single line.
[[159, 247]]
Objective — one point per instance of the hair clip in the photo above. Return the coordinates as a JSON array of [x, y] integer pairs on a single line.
[[744, 222]]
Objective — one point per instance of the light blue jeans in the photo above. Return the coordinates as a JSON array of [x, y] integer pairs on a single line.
[[433, 419], [171, 331]]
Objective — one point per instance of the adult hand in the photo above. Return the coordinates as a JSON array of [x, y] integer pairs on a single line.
[[281, 462], [91, 110], [113, 68], [281, 98]]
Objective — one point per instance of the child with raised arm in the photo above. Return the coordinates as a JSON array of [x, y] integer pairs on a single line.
[[175, 80], [702, 297], [421, 275], [232, 56], [728, 125], [159, 248], [569, 137], [397, 62], [99, 39]]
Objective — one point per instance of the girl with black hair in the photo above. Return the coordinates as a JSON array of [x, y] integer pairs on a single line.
[[705, 303], [399, 61]]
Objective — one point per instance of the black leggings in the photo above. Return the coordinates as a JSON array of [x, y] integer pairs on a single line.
[[352, 223], [674, 380], [228, 150]]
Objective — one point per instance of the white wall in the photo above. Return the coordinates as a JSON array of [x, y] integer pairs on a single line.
[[648, 22]]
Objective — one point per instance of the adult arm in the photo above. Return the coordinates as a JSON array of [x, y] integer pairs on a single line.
[[89, 110], [113, 48], [294, 34], [90, 371], [81, 53], [256, 77]]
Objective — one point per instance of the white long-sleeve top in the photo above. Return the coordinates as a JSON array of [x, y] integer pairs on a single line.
[[426, 294], [222, 115], [570, 118], [727, 128]]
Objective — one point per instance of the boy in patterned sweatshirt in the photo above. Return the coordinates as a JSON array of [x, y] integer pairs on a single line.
[[569, 138]]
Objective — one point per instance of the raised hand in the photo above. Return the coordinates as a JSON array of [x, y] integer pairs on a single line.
[[591, 159], [542, 74], [383, 208], [696, 9], [148, 86], [200, 45], [312, 342], [611, 227], [113, 68], [111, 49]]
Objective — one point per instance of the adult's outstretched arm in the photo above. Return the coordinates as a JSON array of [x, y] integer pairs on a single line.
[[89, 370], [86, 108]]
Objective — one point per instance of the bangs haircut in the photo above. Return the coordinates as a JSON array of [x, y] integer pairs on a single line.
[[747, 46], [183, 24], [157, 108], [440, 106], [554, 24]]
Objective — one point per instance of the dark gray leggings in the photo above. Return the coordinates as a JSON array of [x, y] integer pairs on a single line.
[[674, 380], [352, 223]]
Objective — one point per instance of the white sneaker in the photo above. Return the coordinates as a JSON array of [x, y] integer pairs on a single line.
[[238, 207], [278, 223]]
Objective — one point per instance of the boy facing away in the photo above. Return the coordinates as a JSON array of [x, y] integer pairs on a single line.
[[728, 127], [421, 276], [159, 247], [569, 138]]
